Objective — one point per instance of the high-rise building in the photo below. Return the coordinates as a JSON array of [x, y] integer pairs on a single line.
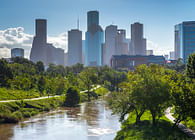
[[184, 40], [110, 43], [43, 51], [166, 56], [138, 43], [172, 55], [17, 52], [92, 18], [115, 43], [94, 39], [74, 47], [149, 52], [122, 45]]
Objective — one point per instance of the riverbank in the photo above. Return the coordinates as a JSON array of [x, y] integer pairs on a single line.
[[12, 111], [146, 131]]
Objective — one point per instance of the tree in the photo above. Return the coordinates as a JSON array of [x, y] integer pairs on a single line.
[[183, 98], [88, 78], [72, 97], [41, 84], [40, 67], [190, 69], [5, 73], [147, 88]]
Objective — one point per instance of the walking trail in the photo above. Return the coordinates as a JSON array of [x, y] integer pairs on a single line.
[[5, 101], [182, 127]]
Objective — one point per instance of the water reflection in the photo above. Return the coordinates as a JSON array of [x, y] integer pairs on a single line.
[[89, 121]]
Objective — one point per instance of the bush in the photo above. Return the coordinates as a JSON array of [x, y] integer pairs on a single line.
[[72, 97]]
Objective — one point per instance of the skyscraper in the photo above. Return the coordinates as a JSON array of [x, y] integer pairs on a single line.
[[184, 40], [39, 49], [43, 51], [74, 47], [138, 43], [94, 39], [121, 45], [17, 52], [115, 43], [110, 43], [92, 18]]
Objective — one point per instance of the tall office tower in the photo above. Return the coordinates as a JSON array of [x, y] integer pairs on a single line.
[[121, 45], [74, 47], [172, 55], [39, 49], [115, 43], [94, 39], [43, 51], [92, 18], [110, 43], [138, 43], [17, 52], [184, 40], [149, 52]]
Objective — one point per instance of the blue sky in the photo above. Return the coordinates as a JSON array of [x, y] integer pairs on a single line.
[[158, 16]]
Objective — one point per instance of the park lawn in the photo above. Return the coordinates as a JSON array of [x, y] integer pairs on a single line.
[[14, 94], [146, 131], [101, 91], [12, 112], [189, 122]]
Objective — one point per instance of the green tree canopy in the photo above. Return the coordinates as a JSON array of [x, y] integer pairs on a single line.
[[190, 69], [5, 73], [72, 97]]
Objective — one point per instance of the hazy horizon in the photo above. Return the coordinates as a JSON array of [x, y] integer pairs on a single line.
[[159, 17]]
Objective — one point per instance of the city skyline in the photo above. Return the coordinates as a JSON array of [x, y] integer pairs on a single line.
[[159, 25]]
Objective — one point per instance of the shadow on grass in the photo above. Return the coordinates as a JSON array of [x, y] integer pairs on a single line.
[[146, 131]]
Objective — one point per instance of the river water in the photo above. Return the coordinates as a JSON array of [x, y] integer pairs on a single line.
[[89, 121]]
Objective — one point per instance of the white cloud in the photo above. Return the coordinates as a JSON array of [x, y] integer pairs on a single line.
[[60, 41], [17, 38], [157, 49], [5, 52]]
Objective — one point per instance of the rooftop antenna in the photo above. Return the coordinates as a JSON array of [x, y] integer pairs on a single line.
[[78, 23]]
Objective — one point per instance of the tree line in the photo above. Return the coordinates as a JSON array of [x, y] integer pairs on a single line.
[[154, 88]]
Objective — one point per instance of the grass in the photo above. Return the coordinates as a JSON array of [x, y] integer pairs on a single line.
[[12, 112], [13, 94], [189, 122], [146, 131], [101, 91]]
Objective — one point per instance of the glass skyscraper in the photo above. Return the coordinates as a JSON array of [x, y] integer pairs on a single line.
[[94, 39], [184, 40]]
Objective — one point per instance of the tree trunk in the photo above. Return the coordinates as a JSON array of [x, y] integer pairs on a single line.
[[139, 116], [153, 119], [88, 96]]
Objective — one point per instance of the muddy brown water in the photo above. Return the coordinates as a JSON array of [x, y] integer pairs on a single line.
[[89, 121]]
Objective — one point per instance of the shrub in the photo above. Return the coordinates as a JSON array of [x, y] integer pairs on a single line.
[[72, 97]]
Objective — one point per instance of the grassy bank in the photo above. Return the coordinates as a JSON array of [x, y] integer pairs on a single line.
[[146, 131], [13, 112], [13, 94], [189, 122]]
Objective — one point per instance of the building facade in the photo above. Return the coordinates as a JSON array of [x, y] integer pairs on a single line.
[[116, 43], [130, 62], [138, 43], [74, 47], [43, 51], [184, 40], [17, 52], [149, 52], [94, 40]]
